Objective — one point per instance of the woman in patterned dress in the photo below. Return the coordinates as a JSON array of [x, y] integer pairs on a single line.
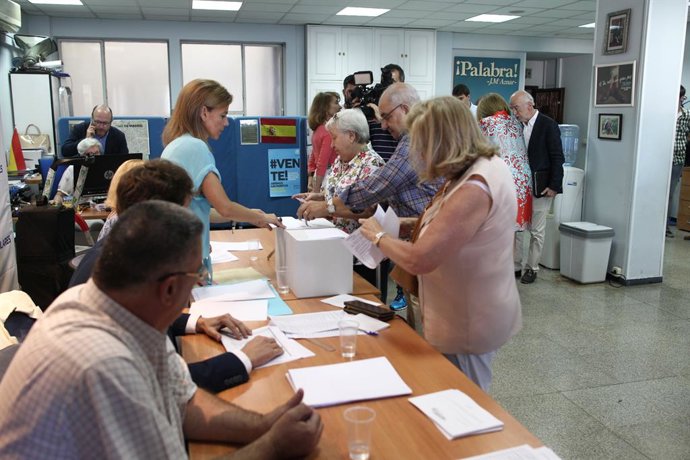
[[350, 134], [505, 131]]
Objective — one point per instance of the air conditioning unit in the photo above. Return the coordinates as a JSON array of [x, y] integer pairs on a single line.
[[10, 16]]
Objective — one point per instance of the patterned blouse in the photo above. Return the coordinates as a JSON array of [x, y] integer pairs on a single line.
[[342, 175], [506, 132]]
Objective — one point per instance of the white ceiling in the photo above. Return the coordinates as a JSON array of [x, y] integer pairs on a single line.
[[539, 18]]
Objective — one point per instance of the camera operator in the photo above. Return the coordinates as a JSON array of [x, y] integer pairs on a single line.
[[367, 98]]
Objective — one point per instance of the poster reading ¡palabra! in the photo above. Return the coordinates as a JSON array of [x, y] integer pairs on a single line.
[[484, 75]]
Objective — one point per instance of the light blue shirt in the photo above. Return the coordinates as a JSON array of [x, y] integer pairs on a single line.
[[194, 156]]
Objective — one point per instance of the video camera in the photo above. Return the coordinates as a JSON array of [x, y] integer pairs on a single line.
[[370, 94]]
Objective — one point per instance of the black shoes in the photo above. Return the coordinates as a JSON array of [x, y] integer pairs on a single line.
[[529, 276], [669, 233], [518, 273]]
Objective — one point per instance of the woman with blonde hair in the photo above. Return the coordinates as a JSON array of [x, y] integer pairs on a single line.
[[463, 250], [505, 131], [111, 198], [201, 112], [323, 107]]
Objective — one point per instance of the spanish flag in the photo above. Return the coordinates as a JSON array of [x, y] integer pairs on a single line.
[[16, 160], [279, 130]]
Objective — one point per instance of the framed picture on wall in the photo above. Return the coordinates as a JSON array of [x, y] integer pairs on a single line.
[[610, 126], [616, 36], [614, 85]]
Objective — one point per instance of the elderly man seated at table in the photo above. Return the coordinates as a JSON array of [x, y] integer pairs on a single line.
[[164, 180], [350, 134], [97, 375], [88, 146]]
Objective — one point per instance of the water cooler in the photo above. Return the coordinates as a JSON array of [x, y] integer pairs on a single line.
[[566, 206]]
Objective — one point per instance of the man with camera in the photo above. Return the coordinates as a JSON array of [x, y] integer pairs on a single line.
[[397, 181], [112, 140]]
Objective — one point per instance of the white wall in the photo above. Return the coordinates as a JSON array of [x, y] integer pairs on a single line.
[[576, 78], [7, 51], [626, 184], [537, 73], [291, 36]]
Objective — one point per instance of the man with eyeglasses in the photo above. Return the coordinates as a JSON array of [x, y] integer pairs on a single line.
[[164, 180], [98, 377], [113, 141], [396, 182]]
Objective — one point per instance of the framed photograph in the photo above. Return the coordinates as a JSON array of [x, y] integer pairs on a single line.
[[616, 36], [610, 126], [614, 85]]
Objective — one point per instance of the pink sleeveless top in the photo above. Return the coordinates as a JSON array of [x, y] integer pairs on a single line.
[[470, 303]]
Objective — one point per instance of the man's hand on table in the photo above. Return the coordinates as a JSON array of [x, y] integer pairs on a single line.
[[212, 326], [261, 350]]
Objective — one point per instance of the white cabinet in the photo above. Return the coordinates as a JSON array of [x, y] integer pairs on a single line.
[[35, 100], [413, 50], [335, 52]]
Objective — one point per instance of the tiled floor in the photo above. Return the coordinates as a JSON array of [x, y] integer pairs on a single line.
[[600, 372]]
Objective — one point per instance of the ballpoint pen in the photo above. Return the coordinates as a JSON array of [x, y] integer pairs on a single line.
[[369, 332]]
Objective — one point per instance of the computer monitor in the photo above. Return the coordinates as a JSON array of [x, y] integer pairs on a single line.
[[101, 172]]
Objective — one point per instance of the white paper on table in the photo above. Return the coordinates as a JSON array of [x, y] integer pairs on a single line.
[[243, 310], [365, 251], [292, 350], [360, 380], [523, 452], [292, 223], [307, 324], [456, 414], [339, 300], [221, 256], [236, 246], [247, 290]]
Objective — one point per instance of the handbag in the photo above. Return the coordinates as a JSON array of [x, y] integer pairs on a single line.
[[35, 140], [406, 280]]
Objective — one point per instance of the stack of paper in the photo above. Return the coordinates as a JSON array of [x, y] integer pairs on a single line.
[[252, 245], [292, 223], [456, 414], [323, 324], [291, 349], [340, 299], [217, 298], [347, 382], [523, 452], [365, 251]]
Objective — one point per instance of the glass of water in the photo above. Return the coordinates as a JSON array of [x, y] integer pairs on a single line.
[[360, 422], [348, 337]]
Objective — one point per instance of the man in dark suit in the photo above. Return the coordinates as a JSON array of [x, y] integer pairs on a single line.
[[545, 154], [100, 127]]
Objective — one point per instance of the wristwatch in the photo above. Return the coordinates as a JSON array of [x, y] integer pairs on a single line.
[[377, 238], [330, 206]]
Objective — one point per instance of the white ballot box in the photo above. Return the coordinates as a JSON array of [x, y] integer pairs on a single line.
[[318, 263]]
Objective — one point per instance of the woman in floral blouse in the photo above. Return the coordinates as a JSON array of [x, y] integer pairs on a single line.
[[505, 131], [350, 134]]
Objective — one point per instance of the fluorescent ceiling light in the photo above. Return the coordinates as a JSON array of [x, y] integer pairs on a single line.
[[353, 11], [56, 2], [211, 5], [492, 18], [587, 26]]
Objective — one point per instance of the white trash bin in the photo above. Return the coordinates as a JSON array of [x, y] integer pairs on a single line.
[[585, 250]]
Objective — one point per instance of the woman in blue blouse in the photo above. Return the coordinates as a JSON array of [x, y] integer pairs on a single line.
[[201, 112]]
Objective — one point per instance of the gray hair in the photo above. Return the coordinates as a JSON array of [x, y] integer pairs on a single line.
[[524, 96], [350, 120], [401, 93], [86, 144], [148, 240]]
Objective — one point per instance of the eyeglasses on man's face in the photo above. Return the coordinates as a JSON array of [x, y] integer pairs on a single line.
[[386, 116], [201, 275], [101, 123]]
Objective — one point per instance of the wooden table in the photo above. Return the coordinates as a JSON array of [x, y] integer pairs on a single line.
[[401, 431], [266, 265], [91, 213]]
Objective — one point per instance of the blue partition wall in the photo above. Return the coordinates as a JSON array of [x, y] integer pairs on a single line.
[[243, 168]]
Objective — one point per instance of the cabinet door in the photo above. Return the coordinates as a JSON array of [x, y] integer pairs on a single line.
[[356, 49], [322, 86], [420, 56], [389, 48], [325, 53], [425, 90]]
